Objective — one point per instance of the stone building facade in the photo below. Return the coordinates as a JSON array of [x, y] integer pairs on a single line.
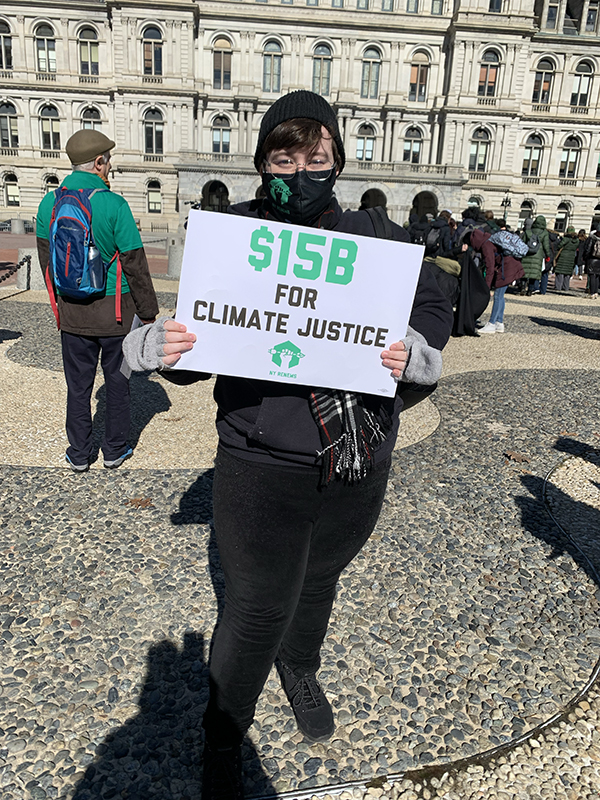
[[440, 105]]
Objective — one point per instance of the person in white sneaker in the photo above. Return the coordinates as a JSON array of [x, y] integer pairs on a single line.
[[500, 271]]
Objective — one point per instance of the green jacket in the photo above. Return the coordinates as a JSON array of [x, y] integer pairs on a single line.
[[533, 265], [567, 253], [114, 230]]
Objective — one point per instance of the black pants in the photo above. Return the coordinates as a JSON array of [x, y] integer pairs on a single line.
[[594, 282], [80, 360], [283, 543]]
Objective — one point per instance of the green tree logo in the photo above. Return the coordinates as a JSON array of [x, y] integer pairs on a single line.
[[286, 350], [280, 188]]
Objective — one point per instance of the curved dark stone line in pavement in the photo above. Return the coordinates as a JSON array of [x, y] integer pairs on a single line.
[[454, 631]]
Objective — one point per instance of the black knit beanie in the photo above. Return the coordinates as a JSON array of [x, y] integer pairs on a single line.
[[299, 105]]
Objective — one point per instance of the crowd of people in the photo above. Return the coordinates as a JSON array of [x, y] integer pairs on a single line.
[[524, 259]]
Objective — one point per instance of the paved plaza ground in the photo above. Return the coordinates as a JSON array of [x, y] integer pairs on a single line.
[[469, 622]]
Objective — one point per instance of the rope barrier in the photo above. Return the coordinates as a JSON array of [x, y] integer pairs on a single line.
[[15, 267]]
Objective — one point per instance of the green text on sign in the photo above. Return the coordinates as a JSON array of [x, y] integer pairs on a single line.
[[311, 249]]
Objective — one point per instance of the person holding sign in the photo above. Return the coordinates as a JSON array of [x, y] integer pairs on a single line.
[[301, 472]]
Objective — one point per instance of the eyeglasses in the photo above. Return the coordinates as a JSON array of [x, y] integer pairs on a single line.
[[317, 169]]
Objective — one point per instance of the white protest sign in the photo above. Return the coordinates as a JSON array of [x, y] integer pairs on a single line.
[[285, 303]]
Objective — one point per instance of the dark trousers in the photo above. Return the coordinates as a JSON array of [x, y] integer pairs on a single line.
[[283, 543], [80, 360], [594, 282]]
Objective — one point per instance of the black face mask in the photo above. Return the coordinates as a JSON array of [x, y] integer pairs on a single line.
[[299, 199]]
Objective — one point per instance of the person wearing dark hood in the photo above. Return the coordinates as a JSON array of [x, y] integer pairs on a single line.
[[301, 472], [438, 241], [418, 229], [533, 264], [564, 262], [591, 257], [579, 265]]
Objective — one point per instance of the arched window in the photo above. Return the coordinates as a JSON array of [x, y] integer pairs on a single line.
[[582, 84], [419, 72], [563, 212], [154, 197], [215, 197], [88, 52], [570, 158], [488, 74], [45, 47], [90, 119], [370, 73], [5, 47], [525, 212], [272, 67], [478, 155], [365, 143], [413, 141], [50, 128], [221, 135], [222, 64], [532, 160], [152, 43], [9, 134], [153, 131], [322, 69], [542, 86], [50, 184], [11, 190]]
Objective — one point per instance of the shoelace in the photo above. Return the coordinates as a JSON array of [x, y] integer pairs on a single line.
[[307, 692]]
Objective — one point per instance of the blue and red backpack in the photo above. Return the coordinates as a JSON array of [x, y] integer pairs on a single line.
[[76, 267]]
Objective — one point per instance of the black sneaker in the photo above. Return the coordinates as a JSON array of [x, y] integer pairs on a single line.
[[310, 706], [222, 779]]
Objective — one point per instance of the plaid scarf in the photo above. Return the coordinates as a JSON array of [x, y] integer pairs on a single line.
[[349, 433]]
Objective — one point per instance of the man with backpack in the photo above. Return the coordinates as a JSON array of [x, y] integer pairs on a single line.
[[95, 268]]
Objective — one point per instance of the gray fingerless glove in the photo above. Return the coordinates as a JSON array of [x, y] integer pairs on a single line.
[[143, 347], [424, 362]]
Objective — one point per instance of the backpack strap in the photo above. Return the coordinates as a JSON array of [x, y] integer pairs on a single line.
[[118, 314], [51, 294], [381, 222]]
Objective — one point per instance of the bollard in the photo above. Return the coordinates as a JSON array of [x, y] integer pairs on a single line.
[[17, 226], [175, 249], [36, 279]]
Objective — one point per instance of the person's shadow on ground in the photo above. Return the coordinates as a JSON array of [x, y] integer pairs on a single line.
[[9, 336], [583, 549], [568, 327], [148, 398]]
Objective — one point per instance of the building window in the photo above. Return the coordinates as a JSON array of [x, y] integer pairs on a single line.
[[532, 159], [154, 197], [9, 134], [312, 2], [337, 3], [563, 212], [542, 87], [478, 154], [50, 184], [215, 197], [552, 17], [412, 6], [88, 52], [11, 190], [222, 64], [592, 16], [272, 67], [474, 202], [50, 128], [152, 45], [90, 119], [365, 143], [370, 73], [45, 47], [153, 132], [419, 71], [362, 5], [5, 47], [598, 169], [321, 70], [570, 158], [488, 74], [436, 7], [221, 135], [413, 142], [387, 5], [582, 84], [526, 212], [495, 6]]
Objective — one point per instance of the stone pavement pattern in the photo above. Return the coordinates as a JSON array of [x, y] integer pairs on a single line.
[[468, 619]]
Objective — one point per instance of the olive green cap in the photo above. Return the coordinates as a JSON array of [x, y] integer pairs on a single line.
[[86, 145]]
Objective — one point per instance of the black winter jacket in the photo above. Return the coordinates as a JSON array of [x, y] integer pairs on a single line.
[[271, 422]]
